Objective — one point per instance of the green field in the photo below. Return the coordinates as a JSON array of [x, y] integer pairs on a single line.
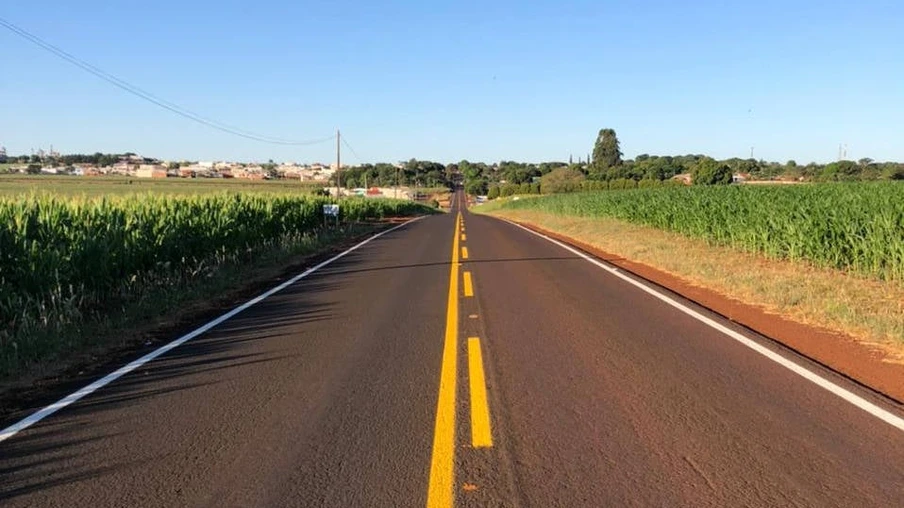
[[14, 185], [855, 226]]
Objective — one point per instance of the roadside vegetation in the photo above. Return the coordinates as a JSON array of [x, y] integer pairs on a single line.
[[69, 263], [853, 227]]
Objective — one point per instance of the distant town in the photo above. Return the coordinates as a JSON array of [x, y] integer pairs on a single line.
[[134, 165]]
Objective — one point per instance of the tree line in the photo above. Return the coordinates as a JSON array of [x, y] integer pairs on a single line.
[[608, 170], [98, 159], [410, 174]]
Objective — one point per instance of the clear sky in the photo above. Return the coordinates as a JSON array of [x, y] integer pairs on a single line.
[[481, 80]]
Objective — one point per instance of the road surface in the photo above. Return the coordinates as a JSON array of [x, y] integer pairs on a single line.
[[462, 361]]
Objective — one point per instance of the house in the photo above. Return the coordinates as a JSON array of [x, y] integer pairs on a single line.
[[250, 173], [122, 168], [151, 171], [85, 170]]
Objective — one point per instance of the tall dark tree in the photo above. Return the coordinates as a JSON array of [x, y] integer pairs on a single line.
[[606, 152]]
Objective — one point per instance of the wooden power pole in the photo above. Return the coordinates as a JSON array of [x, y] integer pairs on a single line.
[[338, 166]]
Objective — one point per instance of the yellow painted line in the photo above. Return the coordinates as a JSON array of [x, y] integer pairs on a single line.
[[469, 286], [463, 237], [464, 253], [440, 491], [481, 436]]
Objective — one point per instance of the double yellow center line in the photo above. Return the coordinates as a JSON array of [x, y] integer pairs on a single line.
[[440, 492]]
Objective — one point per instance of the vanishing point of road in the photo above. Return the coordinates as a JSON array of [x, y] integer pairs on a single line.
[[460, 360]]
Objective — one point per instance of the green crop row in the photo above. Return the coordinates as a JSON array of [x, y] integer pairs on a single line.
[[857, 227]]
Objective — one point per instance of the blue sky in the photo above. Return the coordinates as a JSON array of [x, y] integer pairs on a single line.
[[466, 79]]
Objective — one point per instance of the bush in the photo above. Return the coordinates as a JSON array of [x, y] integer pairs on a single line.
[[508, 189], [561, 180], [708, 171], [648, 183], [622, 183]]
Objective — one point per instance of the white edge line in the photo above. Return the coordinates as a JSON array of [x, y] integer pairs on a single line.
[[805, 373], [39, 415]]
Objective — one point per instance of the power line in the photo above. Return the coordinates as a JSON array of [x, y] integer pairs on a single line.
[[138, 92], [352, 150]]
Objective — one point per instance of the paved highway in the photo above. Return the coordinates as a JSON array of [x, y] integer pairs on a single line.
[[461, 360]]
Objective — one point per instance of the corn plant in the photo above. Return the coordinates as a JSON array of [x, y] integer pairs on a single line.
[[857, 227]]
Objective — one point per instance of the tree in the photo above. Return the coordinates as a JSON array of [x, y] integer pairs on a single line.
[[709, 171], [508, 189], [840, 171], [476, 187], [606, 152], [270, 170], [561, 180], [893, 171], [493, 193]]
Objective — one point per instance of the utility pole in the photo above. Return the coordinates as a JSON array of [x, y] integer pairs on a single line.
[[338, 166]]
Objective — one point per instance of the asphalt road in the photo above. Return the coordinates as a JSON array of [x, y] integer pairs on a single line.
[[474, 364]]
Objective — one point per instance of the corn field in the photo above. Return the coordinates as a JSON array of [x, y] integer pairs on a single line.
[[64, 258], [855, 227]]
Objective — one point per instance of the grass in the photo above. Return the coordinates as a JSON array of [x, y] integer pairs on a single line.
[[864, 307], [16, 185]]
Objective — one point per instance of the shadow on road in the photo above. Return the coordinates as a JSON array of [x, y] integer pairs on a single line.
[[67, 447]]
